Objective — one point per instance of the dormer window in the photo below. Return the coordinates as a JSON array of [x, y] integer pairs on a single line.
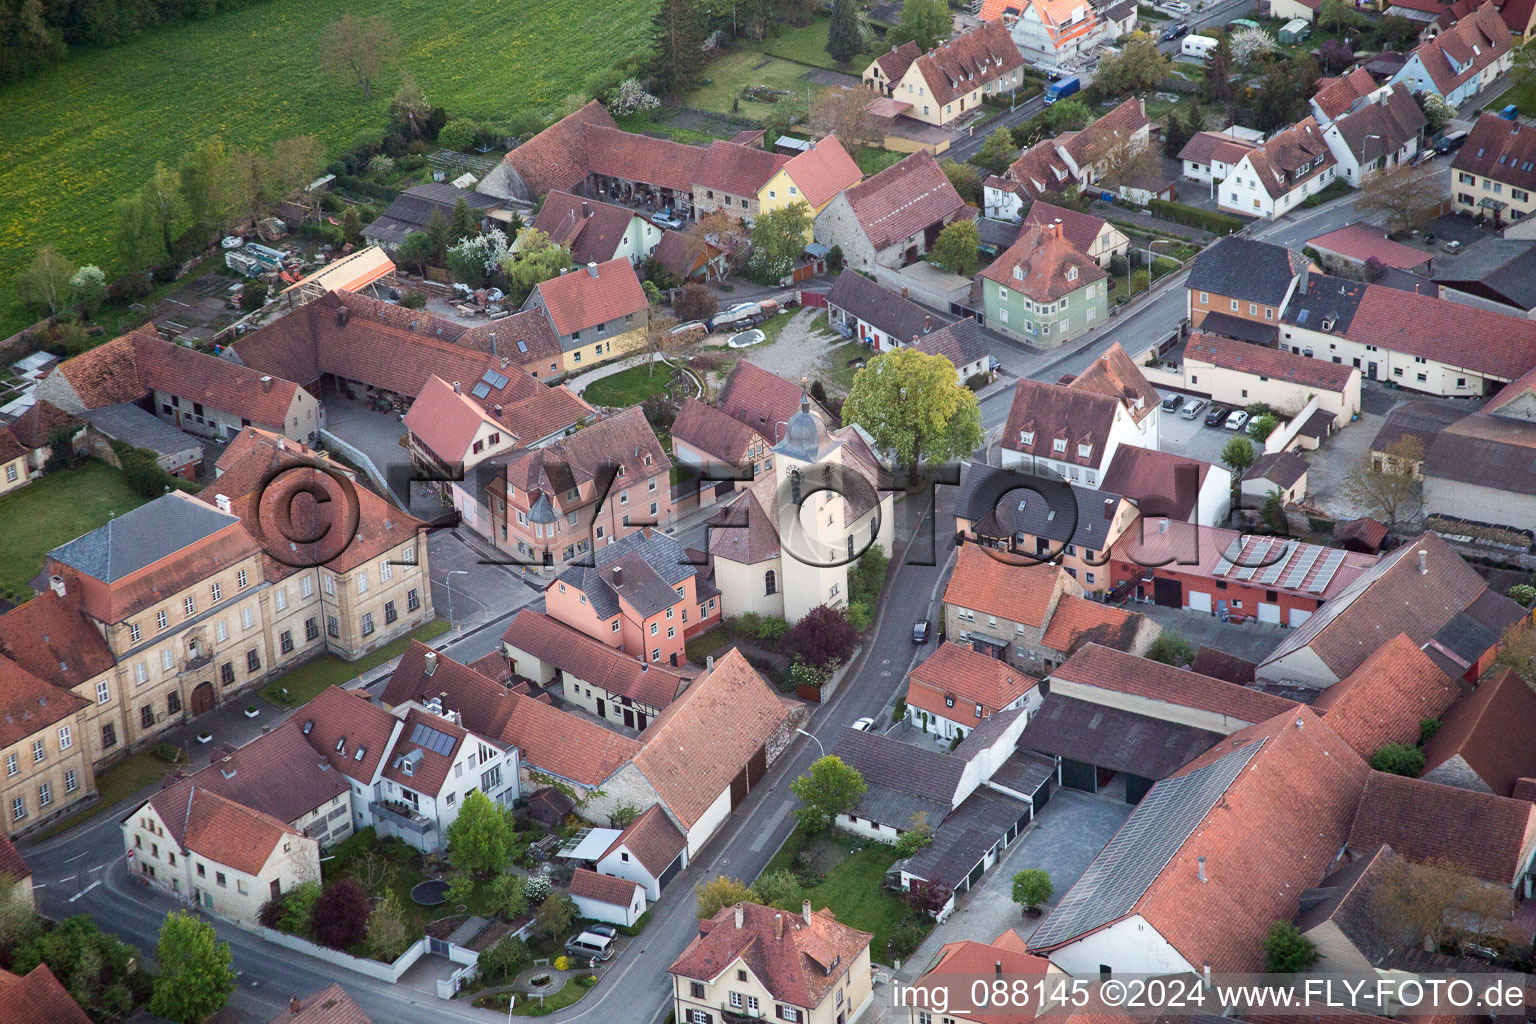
[[1026, 437], [341, 745], [1018, 272], [949, 702], [1059, 445], [1083, 450], [1071, 273]]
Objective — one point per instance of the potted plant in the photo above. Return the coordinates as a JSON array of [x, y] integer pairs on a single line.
[[204, 736], [1031, 888], [251, 711]]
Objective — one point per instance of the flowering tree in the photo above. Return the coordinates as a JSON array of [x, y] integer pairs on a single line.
[[630, 97], [475, 258], [1251, 44]]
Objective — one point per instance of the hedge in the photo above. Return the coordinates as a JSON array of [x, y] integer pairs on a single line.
[[1178, 213], [359, 186]]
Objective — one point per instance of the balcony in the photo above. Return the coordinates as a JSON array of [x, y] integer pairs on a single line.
[[194, 664], [402, 816], [733, 1015]]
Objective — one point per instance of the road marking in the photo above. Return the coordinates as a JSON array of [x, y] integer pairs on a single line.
[[762, 837], [76, 857], [87, 889]]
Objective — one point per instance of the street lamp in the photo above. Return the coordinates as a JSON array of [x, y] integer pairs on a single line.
[[1150, 257], [451, 574], [1362, 154], [823, 750]]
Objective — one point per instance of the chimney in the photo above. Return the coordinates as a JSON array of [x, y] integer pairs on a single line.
[[493, 345], [342, 315], [456, 388], [709, 663], [778, 926], [592, 270], [294, 1006], [1109, 508], [645, 666], [56, 584], [903, 292], [266, 384], [1423, 562], [740, 916], [1206, 970], [1306, 279], [998, 967], [645, 531], [586, 210], [431, 660], [1200, 868], [222, 501], [497, 407], [805, 910], [618, 575], [927, 323], [1301, 723]]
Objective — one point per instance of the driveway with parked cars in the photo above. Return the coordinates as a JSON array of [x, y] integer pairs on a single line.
[[1190, 437]]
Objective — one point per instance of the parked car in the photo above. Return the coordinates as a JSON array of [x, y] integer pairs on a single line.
[[590, 946], [1192, 408], [1423, 156], [920, 631], [1452, 247], [667, 219], [1174, 6], [1238, 420], [607, 930], [1218, 415], [1450, 142], [865, 725], [1171, 403], [1511, 112]]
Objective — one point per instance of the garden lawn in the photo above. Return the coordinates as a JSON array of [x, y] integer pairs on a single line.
[[306, 682], [872, 160], [81, 135], [854, 889], [808, 45], [1523, 97], [733, 72], [700, 647], [837, 360], [52, 510], [628, 387]]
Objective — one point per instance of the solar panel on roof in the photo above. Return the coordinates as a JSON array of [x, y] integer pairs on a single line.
[[501, 381], [1273, 572], [1325, 574], [489, 376], [1224, 565], [1255, 560], [481, 390], [430, 739], [1300, 565]]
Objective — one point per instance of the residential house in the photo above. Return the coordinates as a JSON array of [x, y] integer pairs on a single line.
[[1346, 251], [413, 209], [1174, 889], [598, 312], [636, 597], [1070, 160], [1241, 374], [1078, 621], [1461, 61], [1001, 605], [1418, 342], [964, 345], [942, 991], [1492, 273], [894, 217], [1337, 96], [14, 456], [176, 451], [692, 258], [1477, 468], [38, 998], [808, 968], [450, 431], [434, 764], [876, 316], [1520, 17], [595, 232], [956, 76], [731, 178], [355, 735], [600, 897], [197, 392], [950, 693], [716, 445], [1423, 589], [813, 176], [1479, 743], [1053, 32], [764, 401], [1242, 279], [328, 1006], [649, 851], [1208, 157], [1494, 174], [1286, 10], [888, 70], [1043, 517], [1274, 178], [1093, 236], [1377, 134], [758, 569], [1073, 430], [554, 159], [593, 676], [1388, 698], [43, 743], [1162, 485], [36, 428], [1281, 474], [1043, 289]]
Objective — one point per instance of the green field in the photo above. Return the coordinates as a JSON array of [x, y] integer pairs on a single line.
[[48, 512], [81, 135]]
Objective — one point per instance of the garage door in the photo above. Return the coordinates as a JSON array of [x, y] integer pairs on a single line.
[[1269, 613], [1199, 602], [1168, 593], [1299, 615]]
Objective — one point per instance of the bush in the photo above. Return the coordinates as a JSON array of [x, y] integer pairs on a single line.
[[695, 302], [868, 575], [504, 959], [636, 928], [1522, 594], [898, 711], [341, 915], [1171, 648], [168, 753], [1399, 759], [1427, 729], [536, 888], [905, 939], [254, 295], [1178, 213], [562, 963], [414, 299], [824, 637], [859, 616], [772, 628], [586, 980], [1032, 887]]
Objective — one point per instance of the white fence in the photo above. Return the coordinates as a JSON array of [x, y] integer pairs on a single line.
[[372, 968]]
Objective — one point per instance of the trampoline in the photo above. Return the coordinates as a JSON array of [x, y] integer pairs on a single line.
[[431, 893]]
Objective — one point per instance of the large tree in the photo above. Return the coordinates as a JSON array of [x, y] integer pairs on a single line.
[[203, 175], [845, 113], [98, 970], [777, 238], [45, 284], [1389, 488], [361, 49], [830, 788], [958, 246], [1136, 69], [537, 259], [998, 151], [719, 892], [845, 36], [481, 839], [1400, 192], [924, 22], [678, 34], [195, 977], [914, 405], [341, 915], [1287, 951], [964, 179]]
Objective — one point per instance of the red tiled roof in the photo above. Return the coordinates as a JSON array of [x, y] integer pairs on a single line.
[[1040, 169], [1491, 730], [348, 730], [895, 61], [760, 398], [430, 771], [446, 421], [618, 892], [1335, 96], [525, 337], [1108, 669], [217, 383], [1502, 150], [1043, 265], [1476, 41], [1268, 362], [798, 961], [1207, 147], [970, 678], [591, 230], [12, 863], [822, 171], [903, 200], [556, 158], [28, 705], [1103, 135], [1116, 374], [1384, 700], [109, 373], [51, 638], [958, 964], [987, 584], [1081, 229], [592, 661], [1042, 414], [969, 62], [1077, 618], [38, 998], [714, 433], [328, 1006], [588, 296], [629, 157], [1360, 242], [231, 834], [1484, 835], [680, 253], [706, 736], [737, 170], [34, 426], [652, 839], [1151, 479], [625, 439], [10, 447], [1276, 161], [1517, 15]]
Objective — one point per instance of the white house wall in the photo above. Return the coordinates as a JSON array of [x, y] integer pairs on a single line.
[[1130, 946]]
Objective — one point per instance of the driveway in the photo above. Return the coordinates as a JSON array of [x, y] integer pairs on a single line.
[[1063, 840], [1251, 641]]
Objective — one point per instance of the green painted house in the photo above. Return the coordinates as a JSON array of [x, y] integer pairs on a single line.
[[1043, 290]]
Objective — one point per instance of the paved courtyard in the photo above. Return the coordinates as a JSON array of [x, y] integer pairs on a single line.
[[1251, 641]]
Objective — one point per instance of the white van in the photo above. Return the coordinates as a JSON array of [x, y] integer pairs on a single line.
[[1198, 46], [590, 946]]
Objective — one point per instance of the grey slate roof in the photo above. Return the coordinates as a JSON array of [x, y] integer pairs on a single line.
[[1477, 627], [1419, 418], [1241, 328], [1503, 269], [965, 837], [999, 234], [1113, 738], [1326, 298], [1080, 517], [882, 308], [133, 540], [892, 764], [1283, 468], [127, 422], [651, 569], [1161, 824], [1241, 268], [411, 209], [962, 342]]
